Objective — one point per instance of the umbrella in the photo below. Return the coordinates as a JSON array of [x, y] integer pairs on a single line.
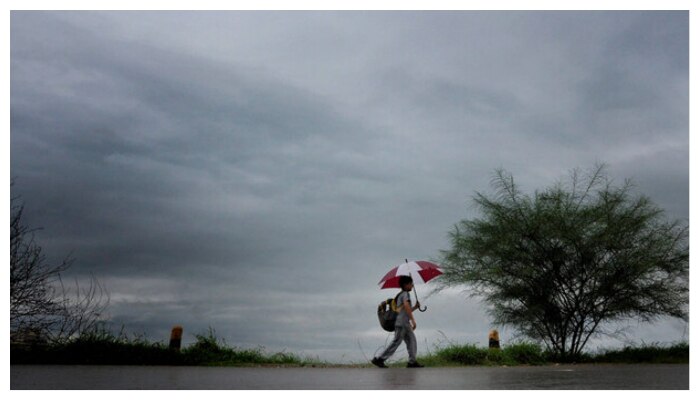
[[421, 272]]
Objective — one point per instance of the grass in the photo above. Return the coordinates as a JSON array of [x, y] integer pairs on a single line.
[[104, 348], [652, 353], [471, 354], [208, 350], [532, 354]]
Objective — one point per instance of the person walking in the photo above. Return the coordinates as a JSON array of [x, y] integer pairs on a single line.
[[405, 325]]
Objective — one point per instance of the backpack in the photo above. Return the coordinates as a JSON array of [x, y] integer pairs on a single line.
[[387, 311]]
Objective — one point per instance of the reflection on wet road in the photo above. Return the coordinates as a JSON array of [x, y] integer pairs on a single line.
[[584, 377]]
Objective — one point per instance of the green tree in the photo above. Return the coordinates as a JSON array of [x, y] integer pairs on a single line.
[[557, 265]]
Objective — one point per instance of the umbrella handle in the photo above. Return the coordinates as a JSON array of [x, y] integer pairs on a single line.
[[423, 309]]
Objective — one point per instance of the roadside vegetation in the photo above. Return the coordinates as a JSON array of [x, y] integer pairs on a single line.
[[533, 354], [470, 354], [652, 353], [101, 347]]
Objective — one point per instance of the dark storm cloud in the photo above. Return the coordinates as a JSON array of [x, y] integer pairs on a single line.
[[153, 163], [242, 170]]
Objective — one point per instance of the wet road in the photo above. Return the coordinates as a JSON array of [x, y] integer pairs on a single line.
[[582, 377]]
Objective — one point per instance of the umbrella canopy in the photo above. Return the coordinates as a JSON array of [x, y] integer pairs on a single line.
[[421, 272]]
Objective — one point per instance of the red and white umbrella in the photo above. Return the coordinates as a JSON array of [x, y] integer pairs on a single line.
[[421, 272]]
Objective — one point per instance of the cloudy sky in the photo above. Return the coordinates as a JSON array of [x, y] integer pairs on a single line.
[[259, 172]]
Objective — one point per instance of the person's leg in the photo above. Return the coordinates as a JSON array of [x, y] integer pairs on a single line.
[[411, 345], [398, 338]]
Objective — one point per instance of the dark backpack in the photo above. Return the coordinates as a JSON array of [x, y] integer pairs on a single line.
[[387, 311]]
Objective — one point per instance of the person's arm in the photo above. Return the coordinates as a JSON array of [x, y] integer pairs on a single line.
[[409, 311], [416, 306]]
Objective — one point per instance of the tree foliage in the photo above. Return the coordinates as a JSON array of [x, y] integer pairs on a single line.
[[558, 265]]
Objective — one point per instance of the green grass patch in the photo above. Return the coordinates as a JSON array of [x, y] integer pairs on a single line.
[[525, 353], [471, 354], [97, 347], [467, 354], [652, 353], [209, 350], [104, 348]]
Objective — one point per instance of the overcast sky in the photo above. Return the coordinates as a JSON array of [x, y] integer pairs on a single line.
[[259, 172]]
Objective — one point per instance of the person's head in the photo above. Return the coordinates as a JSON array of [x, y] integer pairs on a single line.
[[406, 283]]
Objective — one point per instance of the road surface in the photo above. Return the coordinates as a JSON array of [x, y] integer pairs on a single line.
[[583, 377]]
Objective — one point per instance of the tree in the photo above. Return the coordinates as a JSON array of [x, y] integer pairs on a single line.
[[558, 265], [41, 307]]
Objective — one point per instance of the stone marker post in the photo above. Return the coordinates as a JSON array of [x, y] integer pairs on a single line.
[[176, 338], [494, 341]]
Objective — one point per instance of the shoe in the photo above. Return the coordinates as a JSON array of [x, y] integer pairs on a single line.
[[414, 365], [379, 363]]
